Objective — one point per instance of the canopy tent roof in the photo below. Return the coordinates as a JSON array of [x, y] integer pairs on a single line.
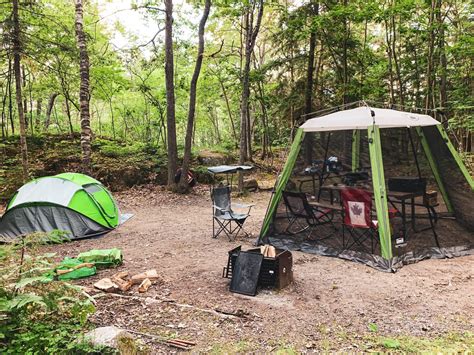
[[228, 169], [365, 117]]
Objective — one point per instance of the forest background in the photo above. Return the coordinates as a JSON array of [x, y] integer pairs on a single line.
[[228, 76]]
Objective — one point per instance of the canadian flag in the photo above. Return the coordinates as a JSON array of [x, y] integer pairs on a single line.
[[356, 213]]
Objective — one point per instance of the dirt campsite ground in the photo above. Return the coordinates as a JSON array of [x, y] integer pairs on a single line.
[[333, 305]]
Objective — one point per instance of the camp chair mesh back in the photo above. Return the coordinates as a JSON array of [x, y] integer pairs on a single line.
[[299, 208], [357, 218], [224, 219]]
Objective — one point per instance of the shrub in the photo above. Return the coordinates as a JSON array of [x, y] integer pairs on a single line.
[[37, 313]]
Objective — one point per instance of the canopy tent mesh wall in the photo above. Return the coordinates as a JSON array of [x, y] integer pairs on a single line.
[[400, 151]]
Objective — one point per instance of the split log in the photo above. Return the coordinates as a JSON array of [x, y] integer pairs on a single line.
[[123, 285], [144, 286], [106, 285], [152, 275], [121, 275], [65, 271]]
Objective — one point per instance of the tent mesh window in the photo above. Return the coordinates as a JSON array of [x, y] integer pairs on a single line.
[[329, 161]]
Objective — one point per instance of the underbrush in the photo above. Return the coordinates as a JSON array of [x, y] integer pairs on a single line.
[[38, 314]]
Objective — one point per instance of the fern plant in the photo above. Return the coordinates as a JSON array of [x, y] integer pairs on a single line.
[[37, 313]]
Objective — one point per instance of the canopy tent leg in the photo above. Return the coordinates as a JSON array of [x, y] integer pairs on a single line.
[[380, 196], [434, 168], [355, 150], [456, 156], [281, 183]]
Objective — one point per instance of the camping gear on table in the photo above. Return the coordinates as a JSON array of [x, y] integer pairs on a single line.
[[73, 268], [276, 269], [102, 258], [383, 140], [356, 177], [75, 203], [223, 215]]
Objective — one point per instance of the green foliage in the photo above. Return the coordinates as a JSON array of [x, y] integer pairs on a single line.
[[373, 327], [38, 314]]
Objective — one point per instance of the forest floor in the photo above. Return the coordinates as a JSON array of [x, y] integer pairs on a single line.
[[333, 305]]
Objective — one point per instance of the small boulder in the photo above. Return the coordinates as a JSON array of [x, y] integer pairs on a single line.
[[251, 185], [109, 336]]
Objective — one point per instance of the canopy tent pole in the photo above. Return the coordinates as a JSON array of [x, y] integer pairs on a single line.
[[380, 196], [430, 214], [355, 150], [434, 169], [282, 181], [456, 156]]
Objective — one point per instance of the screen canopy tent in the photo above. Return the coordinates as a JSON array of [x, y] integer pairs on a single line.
[[371, 131], [74, 203]]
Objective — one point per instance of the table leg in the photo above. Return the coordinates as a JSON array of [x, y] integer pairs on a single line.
[[412, 200], [404, 221]]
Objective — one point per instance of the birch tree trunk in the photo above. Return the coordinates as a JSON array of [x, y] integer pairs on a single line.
[[84, 94], [183, 182], [17, 73], [170, 98]]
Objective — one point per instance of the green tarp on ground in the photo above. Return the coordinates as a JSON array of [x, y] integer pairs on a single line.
[[102, 258]]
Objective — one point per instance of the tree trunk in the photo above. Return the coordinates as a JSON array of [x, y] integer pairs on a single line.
[[250, 38], [308, 139], [17, 73], [39, 109], [229, 111], [183, 183], [443, 96], [4, 112], [84, 94], [429, 69], [49, 109], [24, 96], [10, 101], [170, 98]]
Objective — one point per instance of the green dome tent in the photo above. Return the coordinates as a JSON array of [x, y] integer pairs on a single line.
[[75, 203]]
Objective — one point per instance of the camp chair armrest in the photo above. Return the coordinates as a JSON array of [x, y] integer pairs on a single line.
[[241, 205], [221, 209]]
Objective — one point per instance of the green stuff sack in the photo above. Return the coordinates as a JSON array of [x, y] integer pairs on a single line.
[[102, 258], [76, 272]]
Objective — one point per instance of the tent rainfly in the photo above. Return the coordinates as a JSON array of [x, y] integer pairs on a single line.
[[70, 202], [441, 155]]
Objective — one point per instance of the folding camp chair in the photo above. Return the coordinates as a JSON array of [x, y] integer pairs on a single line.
[[298, 208], [224, 219], [357, 218]]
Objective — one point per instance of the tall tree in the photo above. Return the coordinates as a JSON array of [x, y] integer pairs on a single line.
[[183, 183], [251, 29], [170, 96], [17, 72], [308, 140], [84, 94]]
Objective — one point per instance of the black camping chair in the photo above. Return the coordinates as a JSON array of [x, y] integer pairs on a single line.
[[298, 208], [224, 219]]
